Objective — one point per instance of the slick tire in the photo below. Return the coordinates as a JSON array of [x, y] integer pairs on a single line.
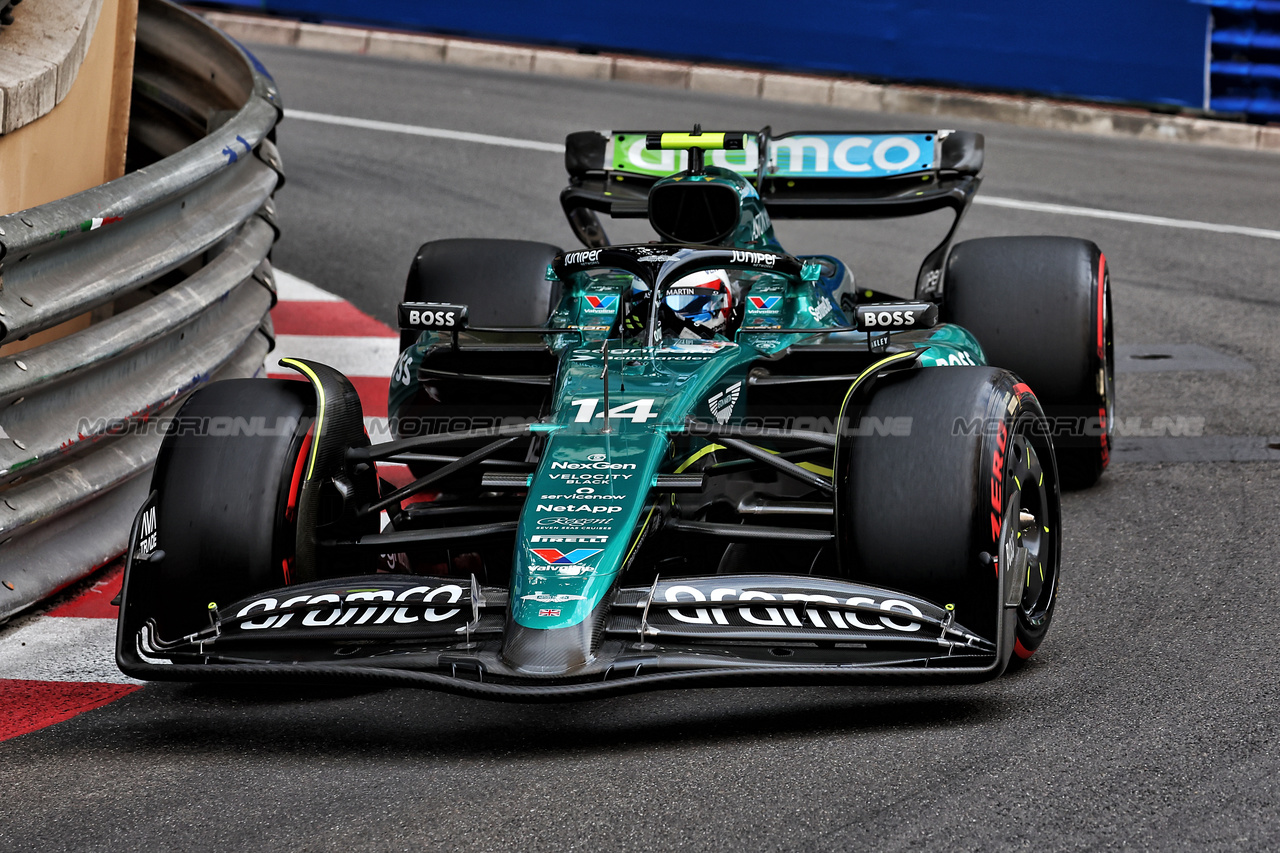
[[1041, 307], [226, 497], [936, 511], [503, 282]]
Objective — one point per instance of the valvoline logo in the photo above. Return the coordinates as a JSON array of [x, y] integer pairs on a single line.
[[555, 557], [602, 303], [764, 303]]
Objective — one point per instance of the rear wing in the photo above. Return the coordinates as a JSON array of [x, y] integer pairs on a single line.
[[799, 175]]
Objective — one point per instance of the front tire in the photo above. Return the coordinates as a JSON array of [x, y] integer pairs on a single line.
[[936, 511], [227, 479]]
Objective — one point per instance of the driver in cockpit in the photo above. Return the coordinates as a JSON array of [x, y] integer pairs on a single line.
[[698, 306]]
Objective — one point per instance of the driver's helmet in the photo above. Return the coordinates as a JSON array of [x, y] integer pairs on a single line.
[[699, 303]]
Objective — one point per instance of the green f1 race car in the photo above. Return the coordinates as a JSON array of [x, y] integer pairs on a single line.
[[692, 462]]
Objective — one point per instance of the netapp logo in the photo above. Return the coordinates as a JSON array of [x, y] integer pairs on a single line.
[[594, 510], [355, 608], [780, 617]]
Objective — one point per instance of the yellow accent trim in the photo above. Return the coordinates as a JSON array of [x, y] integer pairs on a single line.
[[1041, 483], [639, 534], [315, 381], [710, 448], [899, 356], [844, 404], [684, 141], [1019, 482]]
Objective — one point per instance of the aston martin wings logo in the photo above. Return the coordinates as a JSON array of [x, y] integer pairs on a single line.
[[722, 404]]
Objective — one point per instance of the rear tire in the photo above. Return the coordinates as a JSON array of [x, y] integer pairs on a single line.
[[227, 524], [1041, 307], [503, 282], [933, 512]]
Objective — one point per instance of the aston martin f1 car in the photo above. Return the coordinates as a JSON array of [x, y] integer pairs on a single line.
[[690, 462]]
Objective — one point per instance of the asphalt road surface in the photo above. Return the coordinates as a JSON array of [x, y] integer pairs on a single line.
[[1148, 720]]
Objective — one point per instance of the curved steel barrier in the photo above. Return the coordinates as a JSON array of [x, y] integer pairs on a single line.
[[172, 259]]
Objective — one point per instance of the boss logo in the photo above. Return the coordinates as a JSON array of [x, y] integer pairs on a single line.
[[432, 318], [432, 315], [922, 315], [889, 318]]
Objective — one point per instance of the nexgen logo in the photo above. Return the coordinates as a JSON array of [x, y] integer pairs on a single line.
[[556, 557]]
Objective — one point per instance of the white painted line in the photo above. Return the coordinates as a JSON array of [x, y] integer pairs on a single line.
[[290, 288], [994, 201], [1120, 216], [351, 356], [433, 132], [62, 648]]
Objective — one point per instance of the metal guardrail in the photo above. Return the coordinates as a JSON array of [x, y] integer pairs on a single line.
[[172, 261]]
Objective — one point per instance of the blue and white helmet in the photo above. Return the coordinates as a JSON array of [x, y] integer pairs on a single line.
[[702, 302]]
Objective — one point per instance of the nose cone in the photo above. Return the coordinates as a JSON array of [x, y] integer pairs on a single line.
[[552, 651]]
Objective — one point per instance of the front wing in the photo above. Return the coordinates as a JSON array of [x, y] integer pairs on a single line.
[[447, 634]]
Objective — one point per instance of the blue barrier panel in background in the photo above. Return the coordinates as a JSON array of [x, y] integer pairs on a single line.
[[1149, 51], [1245, 51]]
